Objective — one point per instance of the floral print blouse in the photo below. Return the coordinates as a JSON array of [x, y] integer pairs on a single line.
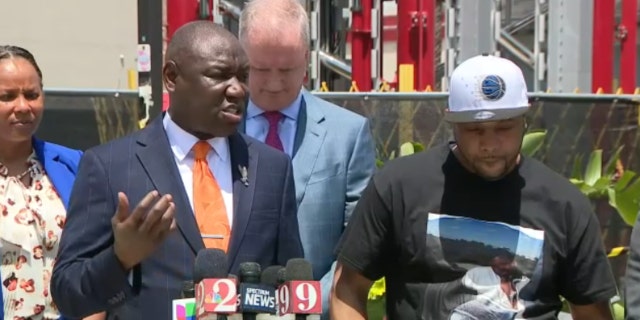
[[30, 226]]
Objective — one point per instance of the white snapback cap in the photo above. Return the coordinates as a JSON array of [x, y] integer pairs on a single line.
[[486, 88]]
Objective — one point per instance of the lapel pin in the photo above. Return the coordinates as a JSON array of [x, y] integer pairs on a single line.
[[244, 175]]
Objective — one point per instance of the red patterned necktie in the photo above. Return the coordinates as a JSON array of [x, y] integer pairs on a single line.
[[273, 139]]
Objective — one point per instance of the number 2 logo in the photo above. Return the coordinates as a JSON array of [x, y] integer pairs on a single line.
[[223, 294]]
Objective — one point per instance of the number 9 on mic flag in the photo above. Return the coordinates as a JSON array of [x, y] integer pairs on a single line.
[[300, 297]]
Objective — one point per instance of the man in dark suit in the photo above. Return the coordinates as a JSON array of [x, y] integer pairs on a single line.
[[132, 263]]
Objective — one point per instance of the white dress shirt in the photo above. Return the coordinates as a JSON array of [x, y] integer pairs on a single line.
[[219, 160]]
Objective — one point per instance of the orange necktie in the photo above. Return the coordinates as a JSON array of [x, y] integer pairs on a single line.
[[211, 214]]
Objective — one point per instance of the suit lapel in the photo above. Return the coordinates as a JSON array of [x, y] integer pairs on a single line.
[[305, 158], [154, 153], [301, 127], [243, 189]]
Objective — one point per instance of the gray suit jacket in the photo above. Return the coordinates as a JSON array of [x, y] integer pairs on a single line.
[[334, 158]]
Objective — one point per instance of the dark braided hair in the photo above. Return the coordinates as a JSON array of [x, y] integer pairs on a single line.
[[8, 52]]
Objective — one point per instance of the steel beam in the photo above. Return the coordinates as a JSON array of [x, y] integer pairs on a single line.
[[628, 47], [377, 32], [407, 21], [416, 43], [426, 75], [450, 45], [150, 38], [315, 9], [570, 45], [476, 28], [539, 39], [361, 44], [603, 40], [335, 64]]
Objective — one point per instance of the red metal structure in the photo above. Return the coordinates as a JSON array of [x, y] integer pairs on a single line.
[[416, 40], [180, 12], [603, 39], [627, 34], [415, 36], [361, 45]]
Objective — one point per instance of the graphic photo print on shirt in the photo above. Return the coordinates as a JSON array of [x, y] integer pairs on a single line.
[[499, 267]]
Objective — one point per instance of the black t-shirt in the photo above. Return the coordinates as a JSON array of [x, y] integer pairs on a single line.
[[455, 246]]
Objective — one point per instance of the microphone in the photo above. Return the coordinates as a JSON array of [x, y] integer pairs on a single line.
[[300, 294], [188, 290], [270, 276], [215, 291], [185, 307], [255, 297], [282, 276]]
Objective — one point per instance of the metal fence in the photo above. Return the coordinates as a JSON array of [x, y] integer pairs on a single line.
[[576, 124]]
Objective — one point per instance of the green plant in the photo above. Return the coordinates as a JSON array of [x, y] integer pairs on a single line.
[[620, 187], [598, 181], [532, 142]]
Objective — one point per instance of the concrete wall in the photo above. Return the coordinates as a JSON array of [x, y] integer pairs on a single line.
[[77, 43]]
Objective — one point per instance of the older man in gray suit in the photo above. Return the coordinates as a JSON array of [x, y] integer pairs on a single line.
[[332, 149]]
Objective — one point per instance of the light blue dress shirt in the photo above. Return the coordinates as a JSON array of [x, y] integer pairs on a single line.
[[257, 126]]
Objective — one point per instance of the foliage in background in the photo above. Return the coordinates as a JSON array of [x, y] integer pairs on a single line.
[[597, 181]]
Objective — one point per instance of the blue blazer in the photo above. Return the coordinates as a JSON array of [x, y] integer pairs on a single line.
[[88, 277], [61, 165]]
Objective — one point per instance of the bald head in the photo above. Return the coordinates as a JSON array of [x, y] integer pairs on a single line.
[[205, 74], [274, 20], [197, 38]]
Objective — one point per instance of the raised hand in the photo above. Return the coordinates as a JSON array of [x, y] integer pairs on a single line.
[[139, 232]]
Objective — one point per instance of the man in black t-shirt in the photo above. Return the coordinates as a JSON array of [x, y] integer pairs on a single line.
[[472, 229], [632, 283]]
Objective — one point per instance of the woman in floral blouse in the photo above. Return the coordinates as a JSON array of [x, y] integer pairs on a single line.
[[35, 182]]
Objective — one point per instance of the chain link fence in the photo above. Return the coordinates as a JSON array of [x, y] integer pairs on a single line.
[[576, 124]]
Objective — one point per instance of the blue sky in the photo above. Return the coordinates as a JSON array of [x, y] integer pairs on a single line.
[[528, 242]]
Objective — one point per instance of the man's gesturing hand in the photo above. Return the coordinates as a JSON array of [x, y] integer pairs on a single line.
[[139, 232]]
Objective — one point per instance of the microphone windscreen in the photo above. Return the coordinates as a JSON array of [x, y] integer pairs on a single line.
[[299, 269], [270, 276], [282, 276], [211, 264], [250, 272]]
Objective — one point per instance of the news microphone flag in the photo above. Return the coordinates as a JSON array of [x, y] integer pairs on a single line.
[[183, 309], [257, 298], [300, 297], [216, 296], [300, 294]]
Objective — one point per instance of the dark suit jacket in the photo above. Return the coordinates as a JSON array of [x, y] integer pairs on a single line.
[[61, 165], [632, 283], [88, 278]]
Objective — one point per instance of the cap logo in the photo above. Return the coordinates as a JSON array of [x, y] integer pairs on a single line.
[[484, 115], [492, 88]]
